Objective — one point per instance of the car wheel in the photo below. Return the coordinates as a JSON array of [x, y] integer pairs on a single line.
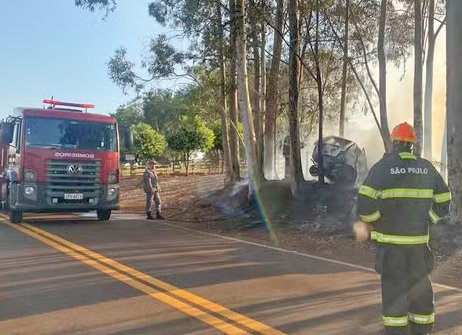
[[103, 215], [15, 216]]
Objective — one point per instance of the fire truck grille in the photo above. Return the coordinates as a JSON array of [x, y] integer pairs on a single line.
[[67, 177]]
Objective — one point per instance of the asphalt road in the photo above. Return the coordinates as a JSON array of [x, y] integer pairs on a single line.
[[73, 275]]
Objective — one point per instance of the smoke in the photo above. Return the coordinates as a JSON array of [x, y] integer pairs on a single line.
[[439, 95], [362, 129]]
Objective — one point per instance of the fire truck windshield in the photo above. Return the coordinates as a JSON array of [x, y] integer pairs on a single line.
[[70, 134]]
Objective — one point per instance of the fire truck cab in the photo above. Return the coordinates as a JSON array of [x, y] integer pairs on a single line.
[[59, 159]]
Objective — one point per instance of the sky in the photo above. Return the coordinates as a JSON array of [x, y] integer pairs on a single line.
[[53, 48]]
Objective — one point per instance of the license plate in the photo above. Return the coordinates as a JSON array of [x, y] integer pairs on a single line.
[[73, 196]]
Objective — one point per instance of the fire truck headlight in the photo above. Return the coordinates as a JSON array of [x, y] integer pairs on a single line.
[[29, 175], [113, 178], [29, 190], [112, 193]]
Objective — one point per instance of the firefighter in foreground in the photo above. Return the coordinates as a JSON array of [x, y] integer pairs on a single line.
[[400, 199], [152, 189]]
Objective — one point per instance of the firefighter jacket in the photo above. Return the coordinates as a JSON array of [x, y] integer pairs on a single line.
[[402, 196]]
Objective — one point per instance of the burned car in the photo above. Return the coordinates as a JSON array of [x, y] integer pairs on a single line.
[[344, 163]]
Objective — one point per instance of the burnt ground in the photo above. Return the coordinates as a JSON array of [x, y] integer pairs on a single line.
[[318, 220]]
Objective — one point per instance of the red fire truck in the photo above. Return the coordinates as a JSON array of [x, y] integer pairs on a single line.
[[59, 159]]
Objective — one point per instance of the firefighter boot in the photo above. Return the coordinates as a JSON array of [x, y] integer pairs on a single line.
[[149, 216], [159, 216]]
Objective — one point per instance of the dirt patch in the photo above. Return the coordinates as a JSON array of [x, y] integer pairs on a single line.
[[179, 194]]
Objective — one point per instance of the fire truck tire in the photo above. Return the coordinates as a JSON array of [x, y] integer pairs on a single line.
[[103, 214], [15, 216]]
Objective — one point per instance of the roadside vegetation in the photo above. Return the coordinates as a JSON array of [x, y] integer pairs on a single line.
[[268, 76], [262, 75]]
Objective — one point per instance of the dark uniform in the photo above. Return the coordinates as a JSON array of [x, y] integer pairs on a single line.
[[402, 196]]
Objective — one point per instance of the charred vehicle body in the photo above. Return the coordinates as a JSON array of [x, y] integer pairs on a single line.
[[59, 160], [344, 163]]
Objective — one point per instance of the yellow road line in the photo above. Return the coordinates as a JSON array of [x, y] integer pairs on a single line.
[[190, 297], [206, 304], [211, 320]]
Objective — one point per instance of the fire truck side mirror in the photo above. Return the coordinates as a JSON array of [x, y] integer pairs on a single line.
[[7, 131], [129, 139]]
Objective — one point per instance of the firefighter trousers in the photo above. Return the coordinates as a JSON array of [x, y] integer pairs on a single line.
[[407, 294]]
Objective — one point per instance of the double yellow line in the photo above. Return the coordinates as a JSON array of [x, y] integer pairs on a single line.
[[213, 314]]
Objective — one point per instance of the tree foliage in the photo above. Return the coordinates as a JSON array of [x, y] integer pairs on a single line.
[[161, 108], [162, 61], [203, 99], [196, 20], [189, 135], [148, 142], [218, 138], [129, 114], [121, 72], [92, 5]]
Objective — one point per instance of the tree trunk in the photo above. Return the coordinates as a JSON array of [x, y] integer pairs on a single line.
[[444, 151], [418, 68], [262, 106], [224, 117], [187, 164], [320, 100], [244, 100], [383, 74], [454, 103], [272, 93], [296, 172], [428, 108], [234, 136], [256, 105], [345, 69]]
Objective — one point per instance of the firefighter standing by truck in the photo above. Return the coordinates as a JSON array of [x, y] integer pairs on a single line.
[[152, 189], [400, 199]]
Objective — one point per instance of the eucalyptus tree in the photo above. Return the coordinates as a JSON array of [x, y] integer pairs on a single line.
[[258, 12], [454, 101], [296, 172], [346, 38], [436, 14], [383, 71], [272, 91], [201, 23], [380, 33], [232, 89], [418, 74], [245, 107], [425, 14]]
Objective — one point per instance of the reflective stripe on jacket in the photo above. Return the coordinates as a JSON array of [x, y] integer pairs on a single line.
[[402, 195]]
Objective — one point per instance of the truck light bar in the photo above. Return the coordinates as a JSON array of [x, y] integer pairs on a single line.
[[68, 104]]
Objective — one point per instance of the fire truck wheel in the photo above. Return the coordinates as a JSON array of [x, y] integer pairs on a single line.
[[15, 216], [103, 215]]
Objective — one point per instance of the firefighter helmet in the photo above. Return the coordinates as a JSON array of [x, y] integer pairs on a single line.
[[404, 132]]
